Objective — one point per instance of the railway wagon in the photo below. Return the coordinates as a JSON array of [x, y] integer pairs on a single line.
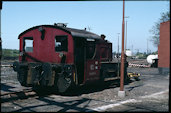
[[61, 57]]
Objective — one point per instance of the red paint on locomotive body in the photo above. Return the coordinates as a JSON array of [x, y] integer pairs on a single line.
[[92, 70], [44, 50]]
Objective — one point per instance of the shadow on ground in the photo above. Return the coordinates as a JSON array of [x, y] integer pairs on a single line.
[[71, 105], [85, 89]]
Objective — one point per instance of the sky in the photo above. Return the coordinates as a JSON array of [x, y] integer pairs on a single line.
[[102, 17]]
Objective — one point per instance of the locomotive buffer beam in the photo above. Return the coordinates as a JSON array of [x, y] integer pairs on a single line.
[[111, 74]]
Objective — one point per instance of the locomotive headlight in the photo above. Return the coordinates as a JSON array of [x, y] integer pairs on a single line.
[[70, 74], [69, 68], [96, 62]]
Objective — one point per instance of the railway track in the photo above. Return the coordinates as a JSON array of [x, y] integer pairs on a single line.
[[9, 96], [130, 65], [26, 93], [7, 65]]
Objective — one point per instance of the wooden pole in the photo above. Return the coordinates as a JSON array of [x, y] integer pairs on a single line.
[[122, 54]]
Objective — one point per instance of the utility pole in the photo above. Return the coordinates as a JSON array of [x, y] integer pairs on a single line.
[[0, 36], [132, 48], [126, 34], [118, 54], [121, 93], [118, 45], [147, 46]]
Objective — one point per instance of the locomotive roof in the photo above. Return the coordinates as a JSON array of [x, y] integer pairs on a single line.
[[72, 31]]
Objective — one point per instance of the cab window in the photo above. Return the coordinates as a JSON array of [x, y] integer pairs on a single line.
[[90, 48], [61, 43], [28, 44]]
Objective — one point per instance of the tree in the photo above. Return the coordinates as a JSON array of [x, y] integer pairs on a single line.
[[156, 28]]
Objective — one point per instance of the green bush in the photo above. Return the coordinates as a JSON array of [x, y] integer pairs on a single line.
[[10, 53]]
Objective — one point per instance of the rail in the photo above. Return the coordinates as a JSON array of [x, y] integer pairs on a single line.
[[7, 65], [6, 97]]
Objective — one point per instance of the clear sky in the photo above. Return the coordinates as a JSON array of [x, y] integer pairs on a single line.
[[102, 17]]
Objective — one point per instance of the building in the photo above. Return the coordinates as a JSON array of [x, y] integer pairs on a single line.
[[164, 48]]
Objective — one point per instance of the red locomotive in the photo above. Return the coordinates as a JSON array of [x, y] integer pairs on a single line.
[[62, 57]]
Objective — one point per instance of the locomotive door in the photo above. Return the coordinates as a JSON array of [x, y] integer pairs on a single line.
[[79, 56], [86, 63], [92, 71]]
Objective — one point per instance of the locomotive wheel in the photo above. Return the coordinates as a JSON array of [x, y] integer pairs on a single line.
[[21, 76], [15, 66], [63, 84]]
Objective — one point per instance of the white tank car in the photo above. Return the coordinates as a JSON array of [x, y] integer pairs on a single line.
[[128, 53], [150, 58]]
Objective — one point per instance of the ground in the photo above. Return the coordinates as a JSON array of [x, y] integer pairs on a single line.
[[150, 93]]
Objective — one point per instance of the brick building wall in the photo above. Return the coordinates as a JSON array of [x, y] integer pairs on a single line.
[[164, 47]]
